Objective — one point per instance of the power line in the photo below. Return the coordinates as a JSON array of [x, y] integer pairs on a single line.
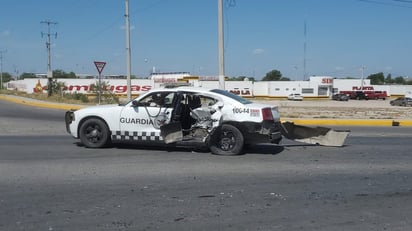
[[391, 3], [405, 1], [230, 3]]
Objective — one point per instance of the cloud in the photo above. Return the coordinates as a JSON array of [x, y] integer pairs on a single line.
[[5, 33], [339, 68], [258, 51]]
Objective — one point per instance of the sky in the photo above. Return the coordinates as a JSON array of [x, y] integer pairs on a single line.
[[300, 38]]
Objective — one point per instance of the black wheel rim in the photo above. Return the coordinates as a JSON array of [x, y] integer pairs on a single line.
[[227, 141], [93, 133]]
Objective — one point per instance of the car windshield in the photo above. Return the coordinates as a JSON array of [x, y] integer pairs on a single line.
[[231, 95]]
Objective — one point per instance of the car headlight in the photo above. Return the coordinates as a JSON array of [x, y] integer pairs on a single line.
[[69, 117]]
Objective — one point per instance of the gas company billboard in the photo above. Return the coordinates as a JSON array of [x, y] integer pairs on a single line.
[[116, 86], [84, 86]]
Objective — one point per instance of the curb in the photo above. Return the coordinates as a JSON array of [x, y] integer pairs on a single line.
[[352, 122], [38, 103], [318, 122]]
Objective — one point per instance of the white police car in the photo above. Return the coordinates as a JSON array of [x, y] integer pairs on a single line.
[[180, 116]]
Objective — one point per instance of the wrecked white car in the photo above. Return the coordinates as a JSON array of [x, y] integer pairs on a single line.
[[181, 116]]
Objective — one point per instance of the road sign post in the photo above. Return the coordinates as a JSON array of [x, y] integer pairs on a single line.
[[100, 66]]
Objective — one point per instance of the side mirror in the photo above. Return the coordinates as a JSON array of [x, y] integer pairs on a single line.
[[135, 103]]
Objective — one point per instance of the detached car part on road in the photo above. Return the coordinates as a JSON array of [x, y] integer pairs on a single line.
[[183, 116]]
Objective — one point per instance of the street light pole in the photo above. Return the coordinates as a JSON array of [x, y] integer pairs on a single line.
[[129, 84], [221, 46], [1, 68]]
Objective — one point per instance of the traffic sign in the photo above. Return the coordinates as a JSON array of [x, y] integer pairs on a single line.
[[99, 66]]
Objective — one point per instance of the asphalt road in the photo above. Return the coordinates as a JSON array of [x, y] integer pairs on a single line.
[[48, 182]]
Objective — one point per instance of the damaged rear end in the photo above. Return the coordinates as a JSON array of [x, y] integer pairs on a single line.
[[268, 130]]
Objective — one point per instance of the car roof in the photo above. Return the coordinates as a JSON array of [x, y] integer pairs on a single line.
[[219, 93], [182, 88]]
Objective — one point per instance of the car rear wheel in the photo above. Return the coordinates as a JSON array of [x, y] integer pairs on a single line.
[[94, 133], [227, 140]]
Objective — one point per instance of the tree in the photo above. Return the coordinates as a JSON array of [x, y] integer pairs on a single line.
[[6, 77], [57, 87], [284, 79], [251, 79], [275, 75], [388, 79], [240, 78], [71, 75], [61, 74], [377, 79], [399, 80]]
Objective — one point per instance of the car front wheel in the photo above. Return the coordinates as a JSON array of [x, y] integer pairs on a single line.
[[227, 140], [94, 133]]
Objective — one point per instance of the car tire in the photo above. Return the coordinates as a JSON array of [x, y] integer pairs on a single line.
[[227, 140], [94, 133]]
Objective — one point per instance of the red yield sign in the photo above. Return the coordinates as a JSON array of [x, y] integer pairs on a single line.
[[99, 66]]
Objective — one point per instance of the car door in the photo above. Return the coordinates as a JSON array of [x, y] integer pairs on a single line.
[[191, 111], [143, 119], [172, 130]]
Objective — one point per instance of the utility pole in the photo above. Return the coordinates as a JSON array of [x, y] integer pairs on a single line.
[[304, 52], [16, 72], [221, 46], [129, 84], [1, 68], [362, 70], [48, 43]]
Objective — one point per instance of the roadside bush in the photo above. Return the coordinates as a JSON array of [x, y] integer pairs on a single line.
[[77, 96], [103, 94]]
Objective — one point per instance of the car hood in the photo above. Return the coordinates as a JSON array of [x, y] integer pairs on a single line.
[[103, 106], [98, 109]]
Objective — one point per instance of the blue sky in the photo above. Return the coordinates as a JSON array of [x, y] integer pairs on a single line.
[[181, 35]]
